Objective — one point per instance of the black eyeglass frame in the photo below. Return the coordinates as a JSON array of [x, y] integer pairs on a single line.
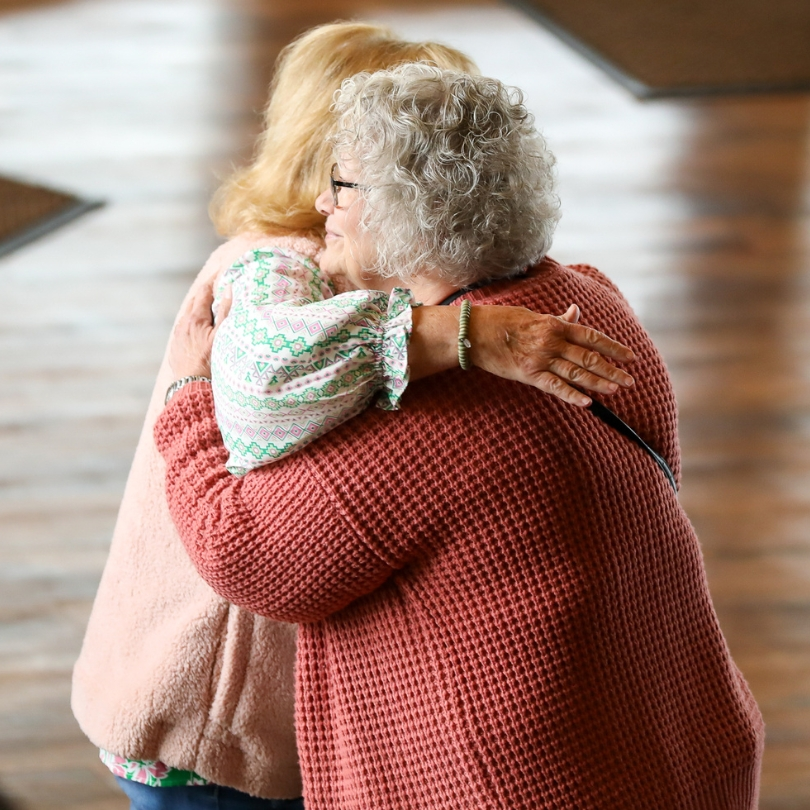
[[336, 184]]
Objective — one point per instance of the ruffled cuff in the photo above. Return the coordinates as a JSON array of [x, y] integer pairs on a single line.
[[393, 355]]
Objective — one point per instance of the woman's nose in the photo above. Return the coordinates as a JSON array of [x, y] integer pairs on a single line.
[[324, 203]]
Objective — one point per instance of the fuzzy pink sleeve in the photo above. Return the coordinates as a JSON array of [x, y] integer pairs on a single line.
[[270, 541]]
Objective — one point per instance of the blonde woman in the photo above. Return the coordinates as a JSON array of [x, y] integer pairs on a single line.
[[189, 697]]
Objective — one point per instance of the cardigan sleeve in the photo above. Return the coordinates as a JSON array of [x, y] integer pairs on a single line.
[[271, 541], [293, 360]]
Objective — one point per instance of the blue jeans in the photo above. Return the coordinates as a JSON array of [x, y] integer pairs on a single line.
[[199, 797]]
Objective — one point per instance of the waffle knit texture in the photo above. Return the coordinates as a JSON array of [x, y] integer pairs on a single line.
[[168, 669], [501, 602]]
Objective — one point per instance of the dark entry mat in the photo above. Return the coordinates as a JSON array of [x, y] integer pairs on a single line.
[[28, 212], [687, 47]]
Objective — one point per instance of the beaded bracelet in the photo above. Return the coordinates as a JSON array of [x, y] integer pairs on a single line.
[[464, 344]]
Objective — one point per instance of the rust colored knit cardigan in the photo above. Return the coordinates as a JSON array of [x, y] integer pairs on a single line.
[[501, 602]]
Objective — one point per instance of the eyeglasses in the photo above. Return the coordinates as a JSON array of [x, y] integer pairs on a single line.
[[339, 184]]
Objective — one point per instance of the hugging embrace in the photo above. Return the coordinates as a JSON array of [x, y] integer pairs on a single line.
[[492, 596]]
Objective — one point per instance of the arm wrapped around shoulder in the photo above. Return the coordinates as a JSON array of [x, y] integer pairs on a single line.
[[292, 361]]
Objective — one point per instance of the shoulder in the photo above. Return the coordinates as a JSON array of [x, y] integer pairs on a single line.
[[273, 273], [244, 243], [279, 258], [551, 287]]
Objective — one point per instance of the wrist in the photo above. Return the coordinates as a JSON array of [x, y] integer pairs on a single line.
[[488, 337], [433, 346]]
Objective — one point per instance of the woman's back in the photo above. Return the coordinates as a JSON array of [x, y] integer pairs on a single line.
[[527, 617], [556, 594]]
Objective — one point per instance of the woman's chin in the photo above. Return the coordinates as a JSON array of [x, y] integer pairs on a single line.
[[327, 266]]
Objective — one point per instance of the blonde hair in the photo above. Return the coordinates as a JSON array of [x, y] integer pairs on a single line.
[[276, 192]]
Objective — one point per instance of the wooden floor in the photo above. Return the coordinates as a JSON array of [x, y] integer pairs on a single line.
[[699, 210]]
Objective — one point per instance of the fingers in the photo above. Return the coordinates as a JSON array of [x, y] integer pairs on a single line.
[[554, 385], [592, 339], [555, 354], [562, 372], [591, 364], [190, 345], [224, 305], [201, 305], [572, 373]]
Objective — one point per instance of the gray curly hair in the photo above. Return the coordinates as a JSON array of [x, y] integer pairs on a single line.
[[457, 182]]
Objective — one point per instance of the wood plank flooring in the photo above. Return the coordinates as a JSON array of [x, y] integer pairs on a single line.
[[699, 210]]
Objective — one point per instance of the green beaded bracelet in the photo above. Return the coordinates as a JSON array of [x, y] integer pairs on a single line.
[[464, 344]]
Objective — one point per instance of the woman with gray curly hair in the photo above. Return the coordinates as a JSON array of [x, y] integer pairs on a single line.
[[457, 184], [442, 184], [500, 602]]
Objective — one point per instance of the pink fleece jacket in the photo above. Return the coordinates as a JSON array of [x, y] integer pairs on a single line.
[[168, 669]]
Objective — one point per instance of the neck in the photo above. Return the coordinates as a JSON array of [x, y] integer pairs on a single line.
[[431, 293], [426, 291]]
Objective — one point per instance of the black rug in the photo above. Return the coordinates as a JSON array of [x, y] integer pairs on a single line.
[[28, 212], [688, 47]]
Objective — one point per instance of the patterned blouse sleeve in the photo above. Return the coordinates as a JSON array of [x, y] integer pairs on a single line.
[[293, 360]]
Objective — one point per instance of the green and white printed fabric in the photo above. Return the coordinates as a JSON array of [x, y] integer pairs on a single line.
[[294, 360], [150, 772]]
